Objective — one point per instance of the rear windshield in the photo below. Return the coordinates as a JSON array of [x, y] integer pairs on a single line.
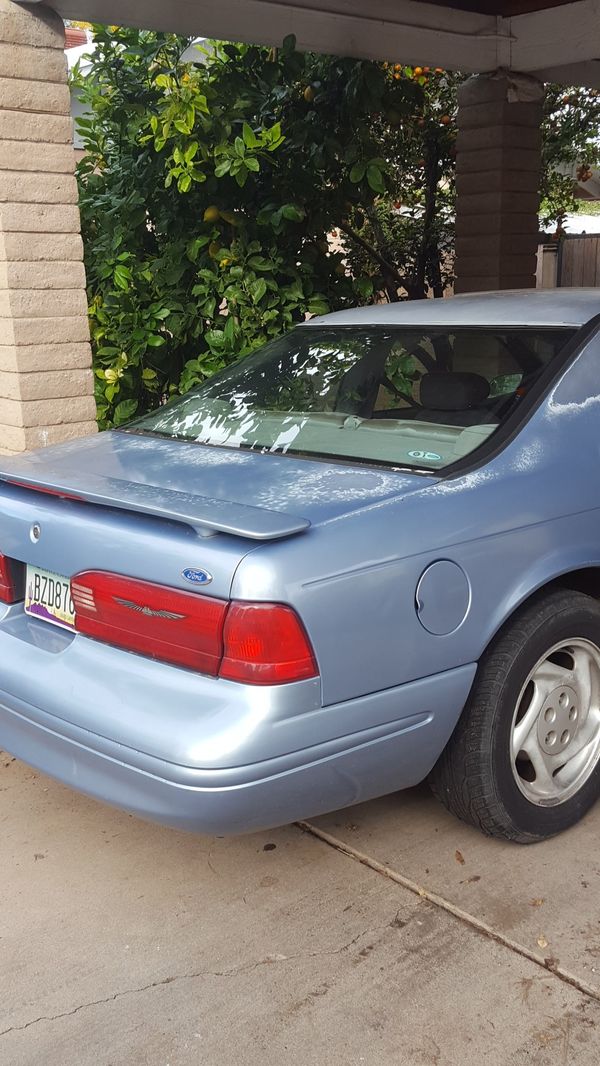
[[417, 398]]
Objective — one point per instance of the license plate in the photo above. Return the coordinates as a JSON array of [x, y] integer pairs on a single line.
[[48, 596]]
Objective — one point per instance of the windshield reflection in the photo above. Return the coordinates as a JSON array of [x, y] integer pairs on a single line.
[[415, 398]]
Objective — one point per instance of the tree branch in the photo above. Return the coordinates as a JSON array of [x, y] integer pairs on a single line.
[[387, 267]]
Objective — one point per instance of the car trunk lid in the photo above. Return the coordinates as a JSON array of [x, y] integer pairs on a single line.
[[153, 508], [247, 494]]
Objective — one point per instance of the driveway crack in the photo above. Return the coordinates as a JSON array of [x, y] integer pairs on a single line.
[[248, 967], [550, 965]]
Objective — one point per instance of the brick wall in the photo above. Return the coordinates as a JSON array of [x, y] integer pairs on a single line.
[[46, 384]]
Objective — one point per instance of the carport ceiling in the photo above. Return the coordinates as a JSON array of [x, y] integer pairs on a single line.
[[505, 8], [554, 40]]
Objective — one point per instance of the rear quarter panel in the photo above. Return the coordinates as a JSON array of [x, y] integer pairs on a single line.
[[515, 523]]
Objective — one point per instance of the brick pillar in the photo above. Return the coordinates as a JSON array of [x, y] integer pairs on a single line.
[[498, 163], [46, 384]]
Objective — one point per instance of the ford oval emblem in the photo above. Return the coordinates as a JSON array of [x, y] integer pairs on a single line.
[[197, 577]]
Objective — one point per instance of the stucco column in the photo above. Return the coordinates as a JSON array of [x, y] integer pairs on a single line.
[[498, 162], [46, 384]]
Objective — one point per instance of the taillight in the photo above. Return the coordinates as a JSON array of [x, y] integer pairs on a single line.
[[157, 621], [265, 644], [8, 589], [256, 643]]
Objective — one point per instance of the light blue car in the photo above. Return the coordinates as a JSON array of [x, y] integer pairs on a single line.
[[365, 555]]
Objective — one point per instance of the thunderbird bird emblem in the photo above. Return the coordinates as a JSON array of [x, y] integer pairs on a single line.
[[148, 611]]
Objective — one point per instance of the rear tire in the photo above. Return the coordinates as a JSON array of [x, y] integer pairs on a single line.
[[524, 760]]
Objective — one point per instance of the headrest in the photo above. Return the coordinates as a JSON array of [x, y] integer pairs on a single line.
[[453, 392]]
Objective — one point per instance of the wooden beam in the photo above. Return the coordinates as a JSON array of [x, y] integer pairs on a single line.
[[403, 30], [559, 42], [586, 74], [556, 37]]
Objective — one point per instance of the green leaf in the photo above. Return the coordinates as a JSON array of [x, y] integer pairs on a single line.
[[223, 167], [357, 173], [252, 163], [363, 287], [318, 306], [258, 289], [295, 291], [250, 138], [124, 411], [191, 151], [194, 247], [155, 340], [293, 212], [375, 178], [122, 276], [230, 328], [258, 262], [184, 182], [241, 175]]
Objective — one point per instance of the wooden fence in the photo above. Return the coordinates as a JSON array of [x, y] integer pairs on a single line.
[[572, 261]]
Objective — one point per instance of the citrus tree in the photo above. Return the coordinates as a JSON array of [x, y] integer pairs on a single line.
[[570, 147], [224, 200]]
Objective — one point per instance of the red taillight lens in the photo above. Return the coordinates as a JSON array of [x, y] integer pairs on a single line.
[[257, 643], [265, 644], [8, 590], [47, 492], [157, 621]]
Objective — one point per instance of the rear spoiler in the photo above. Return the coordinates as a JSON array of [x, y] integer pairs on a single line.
[[205, 515]]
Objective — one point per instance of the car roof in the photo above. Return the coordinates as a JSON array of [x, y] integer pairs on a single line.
[[518, 307]]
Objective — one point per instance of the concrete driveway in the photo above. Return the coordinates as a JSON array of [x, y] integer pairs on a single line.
[[125, 944]]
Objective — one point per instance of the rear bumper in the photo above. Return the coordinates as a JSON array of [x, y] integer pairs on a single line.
[[369, 762]]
